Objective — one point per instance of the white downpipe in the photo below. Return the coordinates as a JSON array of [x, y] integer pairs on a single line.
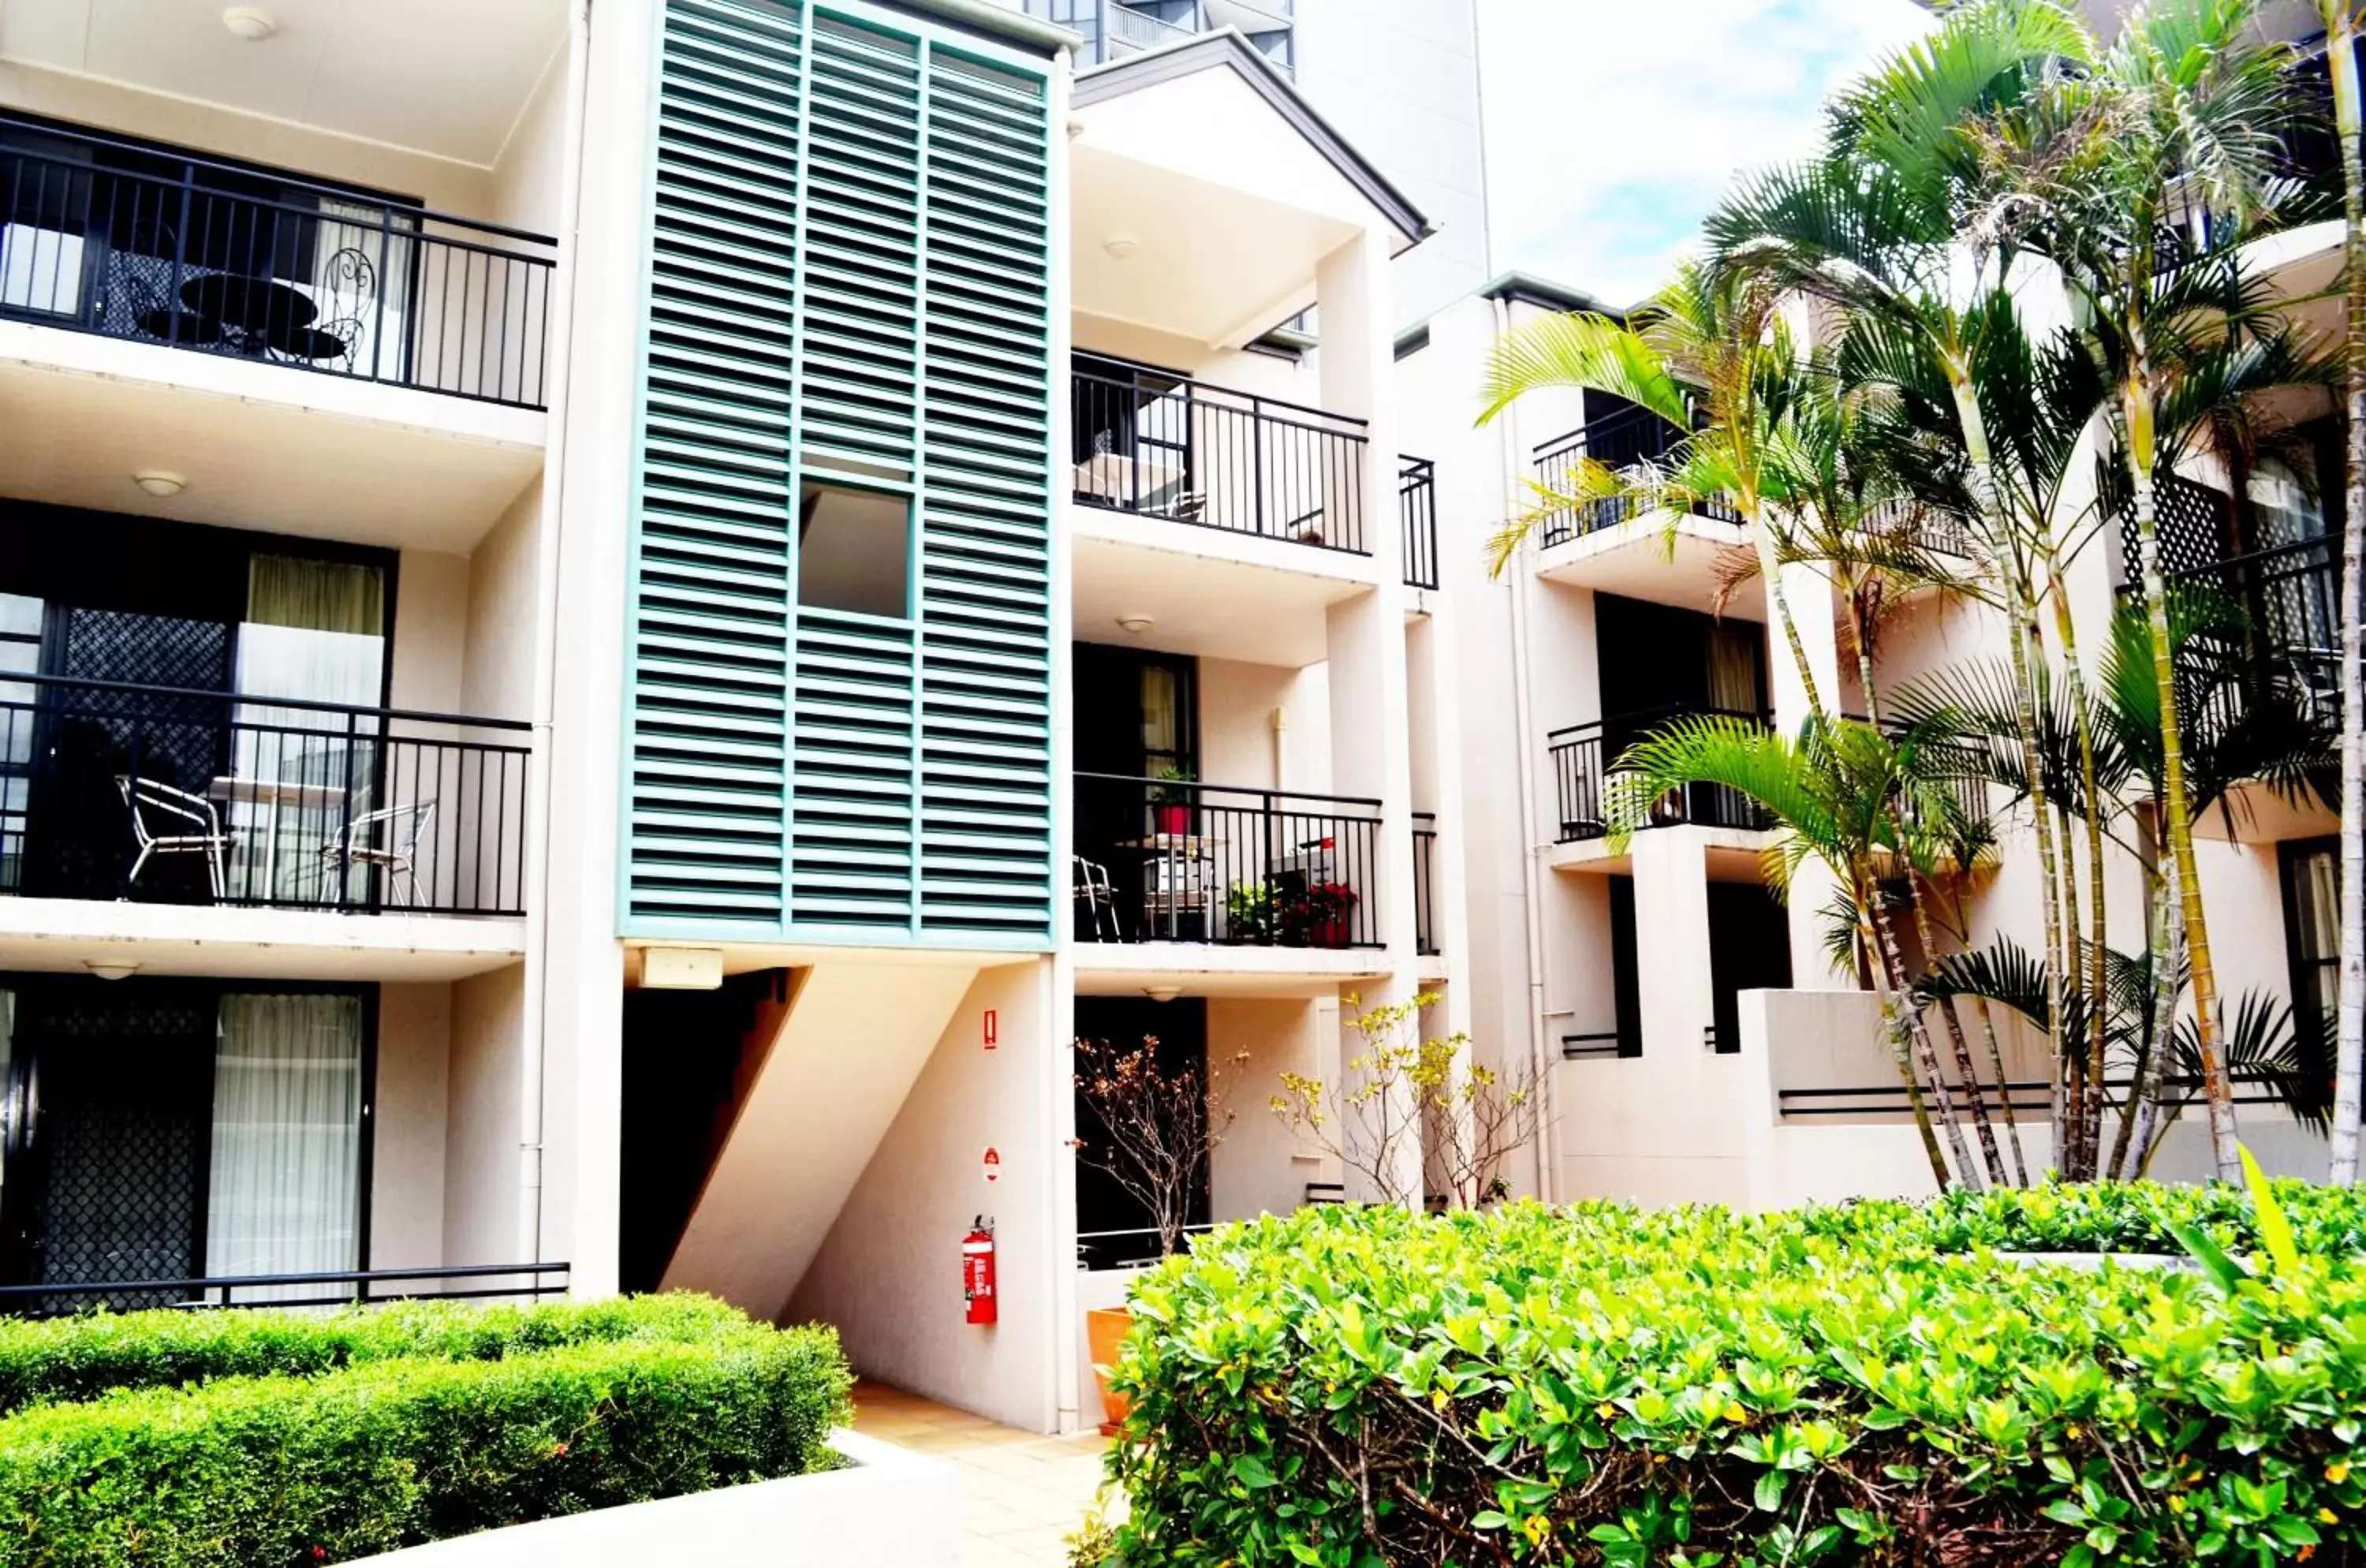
[[534, 1068], [1532, 912]]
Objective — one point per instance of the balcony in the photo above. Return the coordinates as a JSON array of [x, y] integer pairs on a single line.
[[1417, 511], [1113, 29], [145, 245], [1152, 444], [1585, 754], [159, 794], [1618, 441], [1160, 861], [1424, 912]]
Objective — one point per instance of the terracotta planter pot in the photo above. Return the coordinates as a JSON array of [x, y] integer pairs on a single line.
[[1105, 1332]]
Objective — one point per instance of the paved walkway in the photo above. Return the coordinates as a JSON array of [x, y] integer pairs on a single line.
[[1021, 1493]]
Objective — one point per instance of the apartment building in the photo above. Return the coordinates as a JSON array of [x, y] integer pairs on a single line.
[[614, 638], [1693, 1040]]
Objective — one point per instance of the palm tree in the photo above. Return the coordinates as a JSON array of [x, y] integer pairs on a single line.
[[2349, 1057], [1844, 794], [2117, 174], [1711, 356]]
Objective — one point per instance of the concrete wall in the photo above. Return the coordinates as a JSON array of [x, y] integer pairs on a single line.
[[480, 1146], [1263, 1166], [410, 1105], [1239, 743], [499, 618], [889, 1274]]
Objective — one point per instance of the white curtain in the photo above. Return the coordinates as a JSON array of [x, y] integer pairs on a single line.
[[284, 1194], [313, 631]]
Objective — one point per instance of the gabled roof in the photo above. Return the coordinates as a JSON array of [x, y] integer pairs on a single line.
[[1226, 49]]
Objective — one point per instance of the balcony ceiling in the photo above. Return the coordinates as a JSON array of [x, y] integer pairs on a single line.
[[443, 77], [76, 440], [1202, 600]]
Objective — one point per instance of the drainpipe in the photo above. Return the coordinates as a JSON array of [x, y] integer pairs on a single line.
[[1531, 891], [534, 1069]]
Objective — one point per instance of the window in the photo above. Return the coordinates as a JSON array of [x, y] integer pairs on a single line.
[[2313, 929], [854, 550]]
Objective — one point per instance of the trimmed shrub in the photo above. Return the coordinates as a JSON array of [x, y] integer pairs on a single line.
[[298, 1471], [80, 1357], [1356, 1386]]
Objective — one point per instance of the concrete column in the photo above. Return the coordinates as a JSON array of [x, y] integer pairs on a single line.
[[1672, 940], [1370, 745], [1809, 597], [578, 977]]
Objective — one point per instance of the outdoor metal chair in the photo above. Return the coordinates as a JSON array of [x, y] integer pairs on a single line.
[[1098, 898], [168, 821], [386, 840]]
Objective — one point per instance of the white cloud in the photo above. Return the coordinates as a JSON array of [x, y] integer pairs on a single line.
[[1613, 126]]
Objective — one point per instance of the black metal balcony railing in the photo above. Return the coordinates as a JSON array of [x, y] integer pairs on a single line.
[[1113, 29], [1417, 505], [1618, 441], [1159, 445], [1583, 754], [2290, 600], [1160, 861], [138, 242], [163, 794], [471, 1281], [1425, 914]]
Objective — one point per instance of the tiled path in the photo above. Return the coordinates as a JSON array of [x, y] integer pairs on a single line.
[[1021, 1493]]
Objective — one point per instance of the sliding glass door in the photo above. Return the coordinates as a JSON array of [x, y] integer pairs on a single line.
[[168, 1130]]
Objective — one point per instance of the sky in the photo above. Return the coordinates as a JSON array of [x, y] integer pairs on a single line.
[[1613, 126]]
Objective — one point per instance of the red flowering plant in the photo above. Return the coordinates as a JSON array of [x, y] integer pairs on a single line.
[[1316, 915]]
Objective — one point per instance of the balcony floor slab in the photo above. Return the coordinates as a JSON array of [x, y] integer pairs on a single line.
[[263, 446], [67, 935], [1125, 969], [1207, 592], [1633, 561]]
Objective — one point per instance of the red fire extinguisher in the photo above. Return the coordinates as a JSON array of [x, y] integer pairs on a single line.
[[977, 1270]]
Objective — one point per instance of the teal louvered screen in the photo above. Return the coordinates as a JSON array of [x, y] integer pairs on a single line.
[[849, 283]]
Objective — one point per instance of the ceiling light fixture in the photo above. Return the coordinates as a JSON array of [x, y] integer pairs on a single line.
[[1162, 993], [1121, 247], [111, 968], [160, 485], [1137, 622], [247, 22]]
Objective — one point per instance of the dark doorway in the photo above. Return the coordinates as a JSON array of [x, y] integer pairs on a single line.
[[1136, 722], [1749, 950], [1625, 966], [1113, 1227], [686, 1063]]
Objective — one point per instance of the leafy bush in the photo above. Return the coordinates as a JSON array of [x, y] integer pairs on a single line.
[[79, 1358], [1351, 1386], [391, 1452]]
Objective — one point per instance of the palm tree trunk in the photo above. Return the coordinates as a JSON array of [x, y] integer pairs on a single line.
[[2004, 1090], [1893, 963], [2091, 1132], [1963, 1051], [2349, 1055], [1770, 568], [2017, 598], [2136, 399], [2166, 964], [2078, 1161], [1893, 1019], [2153, 1046]]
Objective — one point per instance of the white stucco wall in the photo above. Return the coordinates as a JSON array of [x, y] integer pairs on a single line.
[[889, 1275], [500, 623], [481, 1146], [1263, 1166], [410, 1103]]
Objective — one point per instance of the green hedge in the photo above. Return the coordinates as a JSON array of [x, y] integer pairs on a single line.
[[79, 1358], [2115, 1217], [390, 1452], [1356, 1386]]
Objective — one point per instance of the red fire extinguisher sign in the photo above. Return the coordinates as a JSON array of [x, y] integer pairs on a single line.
[[978, 1271], [992, 1029]]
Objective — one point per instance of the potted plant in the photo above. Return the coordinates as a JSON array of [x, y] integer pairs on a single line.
[[1152, 1124], [1318, 916], [1171, 802], [1249, 914]]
